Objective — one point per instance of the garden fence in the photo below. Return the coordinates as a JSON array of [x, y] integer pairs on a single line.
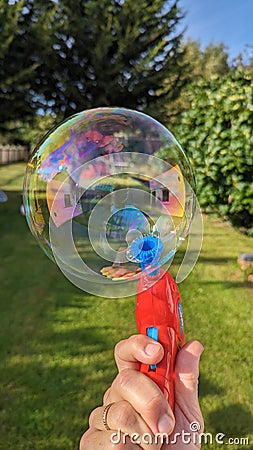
[[13, 153]]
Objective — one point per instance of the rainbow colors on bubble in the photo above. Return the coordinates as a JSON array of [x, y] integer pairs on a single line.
[[101, 179]]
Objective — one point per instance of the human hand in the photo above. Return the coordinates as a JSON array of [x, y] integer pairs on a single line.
[[139, 409]]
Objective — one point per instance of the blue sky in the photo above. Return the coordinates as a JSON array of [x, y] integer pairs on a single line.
[[216, 21]]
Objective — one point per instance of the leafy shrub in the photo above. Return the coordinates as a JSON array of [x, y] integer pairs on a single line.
[[217, 134]]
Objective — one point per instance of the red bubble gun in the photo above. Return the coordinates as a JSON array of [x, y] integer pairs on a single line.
[[158, 312]]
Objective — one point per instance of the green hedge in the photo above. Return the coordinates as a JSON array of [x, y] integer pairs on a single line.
[[216, 132]]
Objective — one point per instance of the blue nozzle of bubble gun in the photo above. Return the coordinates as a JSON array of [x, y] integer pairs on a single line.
[[147, 251]]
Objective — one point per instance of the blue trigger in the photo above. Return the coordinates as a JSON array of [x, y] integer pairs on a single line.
[[153, 333]]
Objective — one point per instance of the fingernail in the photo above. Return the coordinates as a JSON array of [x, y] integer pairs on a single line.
[[152, 349], [200, 350], [165, 424]]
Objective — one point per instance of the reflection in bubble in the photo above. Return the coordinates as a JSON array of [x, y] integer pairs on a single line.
[[99, 182]]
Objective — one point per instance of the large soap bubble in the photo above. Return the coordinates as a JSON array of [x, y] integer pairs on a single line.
[[100, 187]]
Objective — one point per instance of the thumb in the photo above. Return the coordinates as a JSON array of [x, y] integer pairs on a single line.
[[186, 378]]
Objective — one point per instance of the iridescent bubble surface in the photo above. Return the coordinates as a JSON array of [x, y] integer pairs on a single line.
[[97, 183]]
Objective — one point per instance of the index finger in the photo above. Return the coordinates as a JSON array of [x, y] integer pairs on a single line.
[[131, 352]]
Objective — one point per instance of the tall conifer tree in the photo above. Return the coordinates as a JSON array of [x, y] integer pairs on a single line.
[[89, 53]]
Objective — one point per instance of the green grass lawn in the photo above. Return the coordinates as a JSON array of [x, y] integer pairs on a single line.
[[56, 354]]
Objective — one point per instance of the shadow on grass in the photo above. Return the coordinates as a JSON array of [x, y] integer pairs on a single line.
[[228, 284], [206, 387], [80, 341], [216, 261], [51, 400], [234, 420], [49, 387]]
